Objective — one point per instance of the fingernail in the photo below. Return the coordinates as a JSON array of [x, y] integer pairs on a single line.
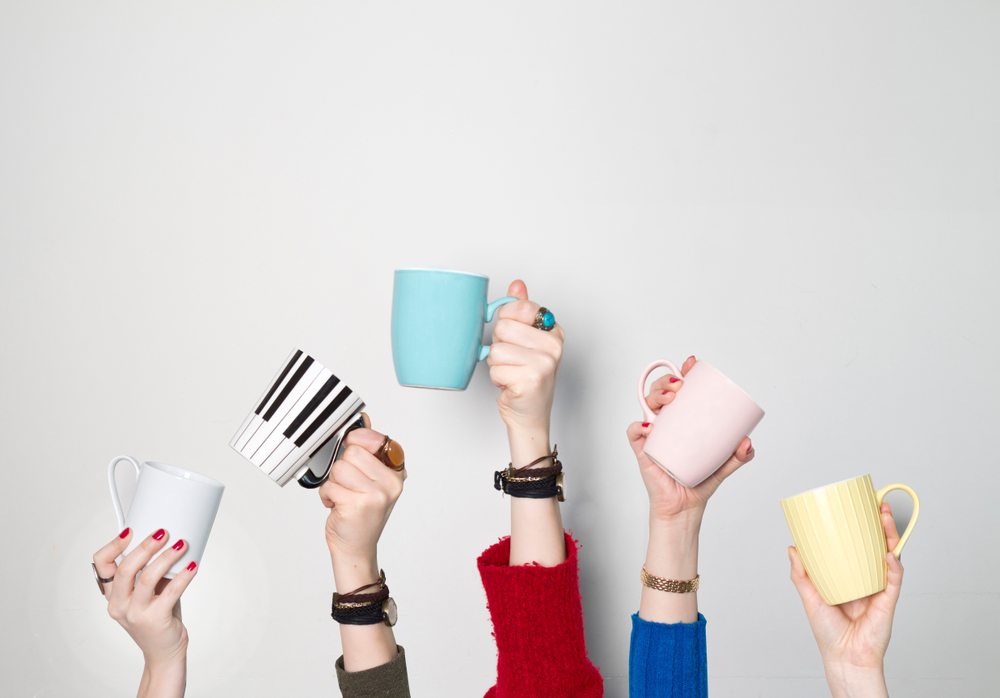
[[672, 379], [192, 566], [123, 533], [159, 534], [179, 544], [691, 357], [664, 392], [645, 424]]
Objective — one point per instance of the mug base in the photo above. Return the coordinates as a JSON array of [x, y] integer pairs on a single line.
[[432, 387], [672, 474]]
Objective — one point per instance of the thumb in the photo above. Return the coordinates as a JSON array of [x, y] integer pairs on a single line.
[[807, 592], [637, 433], [518, 290]]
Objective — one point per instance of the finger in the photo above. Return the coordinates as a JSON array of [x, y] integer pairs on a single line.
[[333, 494], [130, 566], [145, 586], [637, 433], [523, 312], [104, 559], [503, 354], [688, 365], [667, 382], [744, 454], [368, 439], [811, 599], [889, 524], [373, 468], [524, 335], [518, 289], [659, 398], [345, 473], [894, 581], [504, 376], [171, 594]]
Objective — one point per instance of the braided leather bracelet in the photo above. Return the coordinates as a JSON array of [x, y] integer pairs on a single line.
[[540, 483]]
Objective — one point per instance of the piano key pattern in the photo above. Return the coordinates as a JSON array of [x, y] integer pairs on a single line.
[[303, 407]]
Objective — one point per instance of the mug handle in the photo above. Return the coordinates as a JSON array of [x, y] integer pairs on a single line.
[[913, 518], [650, 416], [311, 480], [490, 309], [114, 488]]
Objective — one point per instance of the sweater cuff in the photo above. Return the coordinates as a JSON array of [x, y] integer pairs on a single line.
[[668, 660], [538, 625], [384, 681]]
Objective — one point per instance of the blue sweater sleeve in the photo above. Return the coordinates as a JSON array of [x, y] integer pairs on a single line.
[[668, 661]]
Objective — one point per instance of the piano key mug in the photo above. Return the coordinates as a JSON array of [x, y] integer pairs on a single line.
[[296, 428], [438, 317], [178, 500], [696, 433]]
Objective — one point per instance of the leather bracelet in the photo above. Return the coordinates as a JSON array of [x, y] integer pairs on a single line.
[[670, 585], [362, 599]]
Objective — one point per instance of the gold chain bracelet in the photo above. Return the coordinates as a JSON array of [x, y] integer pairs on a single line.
[[671, 585]]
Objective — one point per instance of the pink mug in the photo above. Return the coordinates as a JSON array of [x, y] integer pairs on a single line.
[[696, 433]]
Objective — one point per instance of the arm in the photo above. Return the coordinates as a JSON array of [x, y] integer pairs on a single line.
[[668, 635], [853, 637], [149, 608], [360, 493], [524, 363], [531, 579]]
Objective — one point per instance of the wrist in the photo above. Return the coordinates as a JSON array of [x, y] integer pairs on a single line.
[[528, 444], [852, 681], [673, 549], [349, 573]]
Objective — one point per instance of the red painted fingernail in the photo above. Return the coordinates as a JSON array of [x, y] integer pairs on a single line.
[[123, 533], [645, 424], [159, 534], [664, 392], [192, 566], [179, 544], [673, 379]]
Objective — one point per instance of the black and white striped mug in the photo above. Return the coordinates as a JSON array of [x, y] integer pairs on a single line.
[[296, 428]]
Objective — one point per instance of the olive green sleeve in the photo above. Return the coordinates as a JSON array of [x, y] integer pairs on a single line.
[[384, 681]]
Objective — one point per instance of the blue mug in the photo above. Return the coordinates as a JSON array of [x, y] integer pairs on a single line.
[[438, 318]]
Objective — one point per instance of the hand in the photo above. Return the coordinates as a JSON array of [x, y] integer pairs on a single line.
[[524, 361], [668, 499], [853, 636], [360, 493], [149, 609]]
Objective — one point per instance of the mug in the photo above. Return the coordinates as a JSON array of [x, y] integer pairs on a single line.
[[182, 502], [299, 423], [438, 319], [838, 533], [696, 433]]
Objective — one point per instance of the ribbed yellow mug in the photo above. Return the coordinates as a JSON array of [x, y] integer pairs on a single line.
[[838, 533]]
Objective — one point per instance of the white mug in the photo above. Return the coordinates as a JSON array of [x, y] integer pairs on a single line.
[[180, 501]]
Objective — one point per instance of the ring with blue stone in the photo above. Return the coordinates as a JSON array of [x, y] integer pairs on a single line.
[[545, 320]]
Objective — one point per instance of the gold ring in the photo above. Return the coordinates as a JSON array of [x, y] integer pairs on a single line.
[[391, 453]]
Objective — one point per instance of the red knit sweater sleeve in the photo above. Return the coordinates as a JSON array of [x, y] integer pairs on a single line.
[[538, 625]]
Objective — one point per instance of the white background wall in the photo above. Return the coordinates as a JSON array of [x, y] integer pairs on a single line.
[[806, 195]]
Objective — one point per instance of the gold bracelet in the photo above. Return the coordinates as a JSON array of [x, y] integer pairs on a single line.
[[671, 585]]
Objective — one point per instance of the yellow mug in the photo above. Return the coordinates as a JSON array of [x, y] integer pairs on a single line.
[[838, 533]]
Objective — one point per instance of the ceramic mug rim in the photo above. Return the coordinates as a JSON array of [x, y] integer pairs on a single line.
[[832, 484], [182, 474], [444, 271]]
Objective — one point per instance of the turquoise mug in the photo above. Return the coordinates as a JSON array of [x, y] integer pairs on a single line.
[[438, 317]]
